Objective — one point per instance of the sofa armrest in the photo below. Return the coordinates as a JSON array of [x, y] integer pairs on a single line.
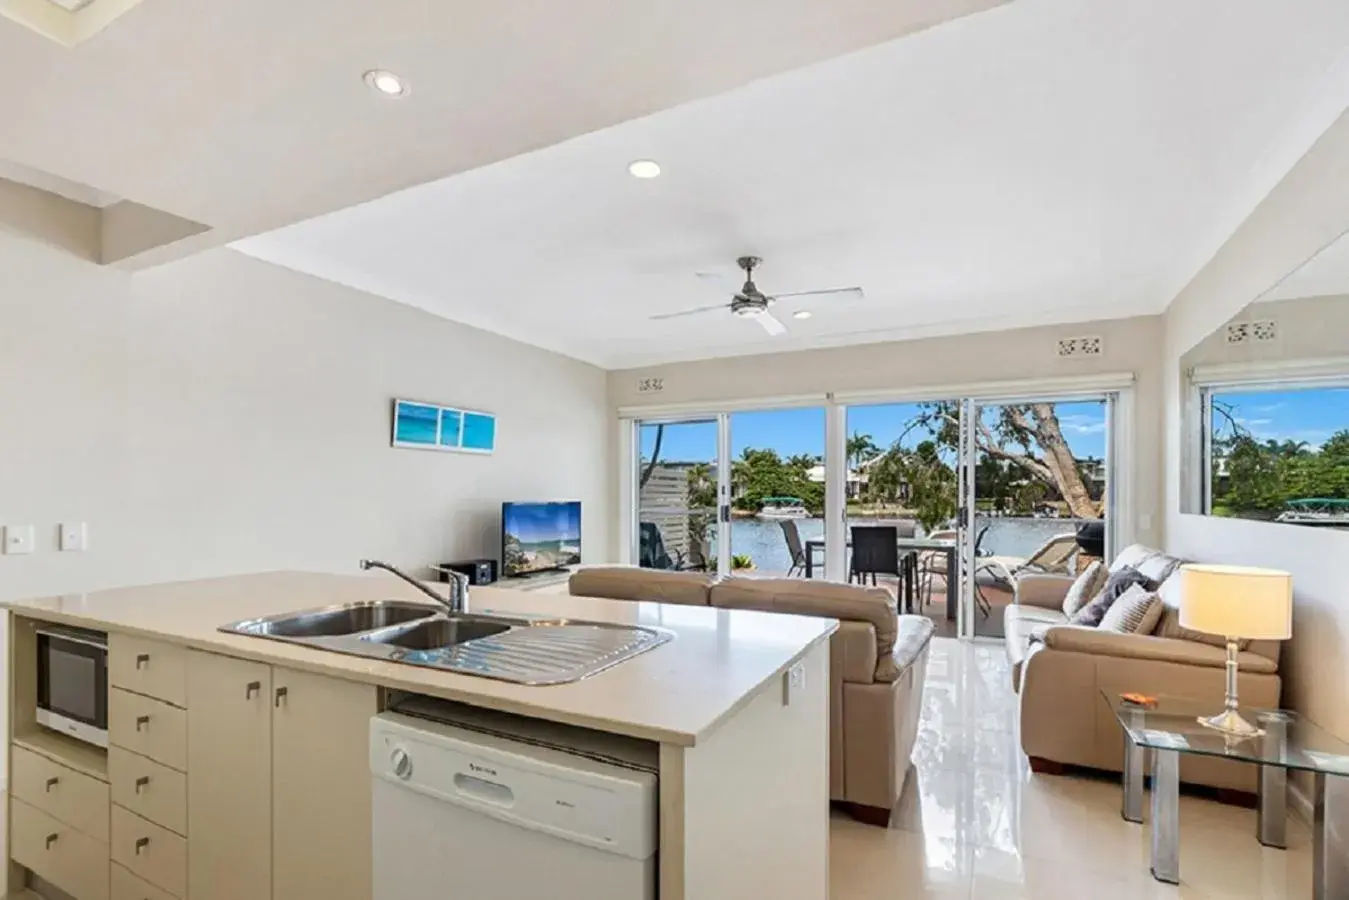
[[1045, 591], [1077, 639]]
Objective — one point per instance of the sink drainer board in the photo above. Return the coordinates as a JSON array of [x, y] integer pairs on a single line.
[[545, 654], [524, 650]]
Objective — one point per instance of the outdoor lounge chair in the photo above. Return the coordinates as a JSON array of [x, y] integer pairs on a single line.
[[1053, 557]]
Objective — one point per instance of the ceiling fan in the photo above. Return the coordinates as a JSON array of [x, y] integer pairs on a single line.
[[751, 303]]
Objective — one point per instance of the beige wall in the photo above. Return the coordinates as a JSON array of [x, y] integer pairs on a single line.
[[1309, 328], [222, 415], [1307, 211], [1131, 345]]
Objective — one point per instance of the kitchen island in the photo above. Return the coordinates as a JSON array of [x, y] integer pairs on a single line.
[[260, 751]]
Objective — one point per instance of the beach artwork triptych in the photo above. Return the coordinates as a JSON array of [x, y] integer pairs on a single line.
[[426, 426]]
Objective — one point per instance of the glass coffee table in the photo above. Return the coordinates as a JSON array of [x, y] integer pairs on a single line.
[[1290, 742]]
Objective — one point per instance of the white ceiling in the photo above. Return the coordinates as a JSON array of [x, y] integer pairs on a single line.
[[247, 115], [1324, 275], [1050, 160]]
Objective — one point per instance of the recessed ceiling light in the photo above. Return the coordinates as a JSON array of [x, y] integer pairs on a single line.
[[386, 83], [644, 168], [802, 314]]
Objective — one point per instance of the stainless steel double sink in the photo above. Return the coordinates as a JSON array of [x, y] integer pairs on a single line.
[[521, 649]]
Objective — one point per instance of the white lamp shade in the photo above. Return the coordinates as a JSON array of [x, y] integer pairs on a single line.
[[1237, 601]]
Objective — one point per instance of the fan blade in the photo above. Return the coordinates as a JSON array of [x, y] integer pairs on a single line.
[[770, 324], [857, 291], [688, 312]]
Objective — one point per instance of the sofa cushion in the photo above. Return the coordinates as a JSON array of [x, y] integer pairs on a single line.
[[1152, 562], [854, 651], [1170, 626], [1120, 580], [914, 634], [632, 583], [1094, 641], [1137, 611], [808, 597], [1085, 587], [1019, 623]]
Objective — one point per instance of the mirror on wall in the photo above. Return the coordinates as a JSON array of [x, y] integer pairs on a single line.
[[1267, 404]]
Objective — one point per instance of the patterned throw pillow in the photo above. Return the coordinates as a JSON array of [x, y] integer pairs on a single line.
[[1084, 588], [1115, 586], [1135, 612]]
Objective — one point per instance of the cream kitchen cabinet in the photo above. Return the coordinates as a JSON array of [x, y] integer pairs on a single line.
[[278, 784], [321, 787]]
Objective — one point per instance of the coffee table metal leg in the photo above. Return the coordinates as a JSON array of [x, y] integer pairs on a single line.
[[1271, 827], [1132, 806], [1166, 816], [1330, 870]]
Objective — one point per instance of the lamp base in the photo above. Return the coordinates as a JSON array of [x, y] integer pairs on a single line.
[[1231, 723]]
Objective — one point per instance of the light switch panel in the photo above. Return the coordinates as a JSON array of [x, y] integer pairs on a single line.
[[74, 536], [19, 539]]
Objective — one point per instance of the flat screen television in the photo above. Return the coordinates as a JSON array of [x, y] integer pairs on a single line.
[[537, 537]]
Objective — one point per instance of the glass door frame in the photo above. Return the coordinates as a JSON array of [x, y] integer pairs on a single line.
[[630, 429], [971, 411], [633, 428]]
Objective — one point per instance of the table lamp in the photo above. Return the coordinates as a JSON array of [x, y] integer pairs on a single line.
[[1236, 602]]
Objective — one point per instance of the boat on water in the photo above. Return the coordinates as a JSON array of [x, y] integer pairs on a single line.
[[1323, 511], [783, 508]]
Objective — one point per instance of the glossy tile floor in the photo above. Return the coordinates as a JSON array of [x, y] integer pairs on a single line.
[[974, 822]]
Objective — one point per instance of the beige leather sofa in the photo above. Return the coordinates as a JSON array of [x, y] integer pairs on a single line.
[[877, 662], [1060, 677]]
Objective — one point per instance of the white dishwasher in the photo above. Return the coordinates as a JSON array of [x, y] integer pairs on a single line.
[[460, 813]]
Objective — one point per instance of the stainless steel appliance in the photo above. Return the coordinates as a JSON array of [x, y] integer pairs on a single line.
[[72, 682]]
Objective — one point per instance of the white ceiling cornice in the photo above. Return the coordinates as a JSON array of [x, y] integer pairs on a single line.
[[68, 22]]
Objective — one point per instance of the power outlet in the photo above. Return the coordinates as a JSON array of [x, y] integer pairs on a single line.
[[74, 536], [19, 539], [793, 683]]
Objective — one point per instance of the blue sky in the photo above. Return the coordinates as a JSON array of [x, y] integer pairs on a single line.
[[531, 523], [793, 431], [1310, 415]]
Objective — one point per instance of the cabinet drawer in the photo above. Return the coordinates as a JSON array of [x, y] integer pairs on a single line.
[[126, 886], [148, 667], [69, 859], [149, 851], [148, 789], [148, 727], [70, 796]]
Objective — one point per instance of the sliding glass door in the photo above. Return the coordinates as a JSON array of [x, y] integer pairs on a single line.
[[732, 492], [1036, 477], [777, 476], [976, 491], [680, 495]]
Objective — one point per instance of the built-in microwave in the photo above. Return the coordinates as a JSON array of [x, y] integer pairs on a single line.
[[72, 682]]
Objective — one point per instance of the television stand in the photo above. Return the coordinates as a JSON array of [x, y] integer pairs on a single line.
[[554, 582]]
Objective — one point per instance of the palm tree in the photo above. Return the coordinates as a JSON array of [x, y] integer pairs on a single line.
[[803, 462], [861, 447]]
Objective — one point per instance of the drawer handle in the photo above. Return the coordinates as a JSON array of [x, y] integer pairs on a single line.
[[142, 660], [143, 781], [142, 723], [51, 783], [141, 844], [253, 688], [51, 839], [280, 695]]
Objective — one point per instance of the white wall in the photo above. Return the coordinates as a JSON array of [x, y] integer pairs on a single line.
[[1306, 212], [222, 415], [1131, 345]]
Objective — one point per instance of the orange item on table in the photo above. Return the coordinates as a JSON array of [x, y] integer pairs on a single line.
[[1143, 700]]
